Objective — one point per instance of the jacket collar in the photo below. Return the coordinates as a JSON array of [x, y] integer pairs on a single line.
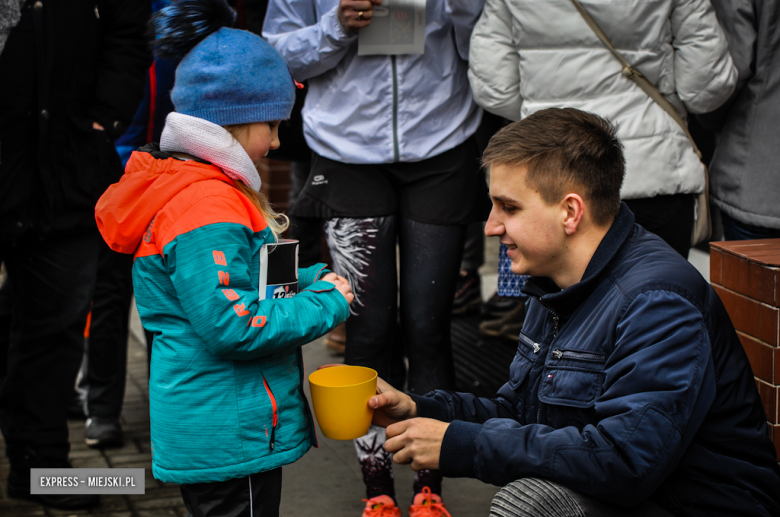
[[564, 302]]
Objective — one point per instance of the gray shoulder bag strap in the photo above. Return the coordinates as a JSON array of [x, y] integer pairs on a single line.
[[702, 227]]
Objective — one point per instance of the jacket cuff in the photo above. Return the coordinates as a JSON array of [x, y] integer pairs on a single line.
[[458, 450], [321, 286], [333, 28], [429, 407], [321, 273]]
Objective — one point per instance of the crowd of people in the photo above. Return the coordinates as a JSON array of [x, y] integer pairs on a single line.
[[594, 122]]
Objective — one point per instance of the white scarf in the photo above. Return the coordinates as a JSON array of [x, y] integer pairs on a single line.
[[210, 142]]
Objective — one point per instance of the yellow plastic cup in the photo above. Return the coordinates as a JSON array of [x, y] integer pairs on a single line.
[[340, 396]]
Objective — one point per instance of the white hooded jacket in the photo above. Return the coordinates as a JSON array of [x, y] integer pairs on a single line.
[[529, 55]]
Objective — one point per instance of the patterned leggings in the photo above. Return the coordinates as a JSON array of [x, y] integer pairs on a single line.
[[392, 320]]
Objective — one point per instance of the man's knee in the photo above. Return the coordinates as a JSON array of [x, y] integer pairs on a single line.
[[532, 497]]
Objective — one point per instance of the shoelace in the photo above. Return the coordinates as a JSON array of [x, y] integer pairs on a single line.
[[380, 510], [428, 506]]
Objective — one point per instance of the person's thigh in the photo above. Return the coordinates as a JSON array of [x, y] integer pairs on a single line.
[[669, 217], [53, 279], [364, 252], [532, 497], [107, 350], [258, 495], [430, 261]]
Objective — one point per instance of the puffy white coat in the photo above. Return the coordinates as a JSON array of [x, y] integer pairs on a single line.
[[529, 55]]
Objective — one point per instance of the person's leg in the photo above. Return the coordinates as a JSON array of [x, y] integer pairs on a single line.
[[669, 217], [107, 349], [531, 497], [364, 252], [53, 280], [430, 260], [734, 230], [468, 291], [257, 495]]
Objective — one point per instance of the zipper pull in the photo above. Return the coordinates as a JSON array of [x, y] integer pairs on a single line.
[[537, 347], [558, 354], [556, 321], [273, 437]]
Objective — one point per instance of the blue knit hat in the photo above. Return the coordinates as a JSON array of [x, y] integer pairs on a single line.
[[227, 76]]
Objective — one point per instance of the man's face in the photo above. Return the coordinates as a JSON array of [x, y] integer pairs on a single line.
[[533, 230]]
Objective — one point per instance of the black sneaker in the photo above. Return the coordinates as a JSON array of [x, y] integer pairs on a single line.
[[103, 432], [468, 292], [499, 306], [19, 484]]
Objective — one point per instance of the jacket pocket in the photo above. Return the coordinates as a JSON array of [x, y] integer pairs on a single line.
[[572, 378], [272, 437], [527, 354]]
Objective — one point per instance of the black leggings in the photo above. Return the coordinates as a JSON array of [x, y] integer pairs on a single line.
[[257, 495], [364, 251]]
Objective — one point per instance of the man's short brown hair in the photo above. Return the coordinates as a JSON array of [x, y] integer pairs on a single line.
[[565, 150]]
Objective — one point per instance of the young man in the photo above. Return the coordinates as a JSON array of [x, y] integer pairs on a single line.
[[629, 386]]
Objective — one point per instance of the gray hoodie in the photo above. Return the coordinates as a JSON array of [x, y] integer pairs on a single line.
[[745, 170]]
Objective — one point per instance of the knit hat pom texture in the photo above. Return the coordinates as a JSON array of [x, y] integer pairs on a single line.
[[228, 76]]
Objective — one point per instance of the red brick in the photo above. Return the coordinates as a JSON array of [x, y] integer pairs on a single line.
[[743, 311], [736, 273], [776, 439], [768, 324], [716, 266], [761, 357], [768, 395], [777, 366], [761, 283]]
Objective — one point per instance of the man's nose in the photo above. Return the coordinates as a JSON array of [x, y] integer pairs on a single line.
[[494, 227]]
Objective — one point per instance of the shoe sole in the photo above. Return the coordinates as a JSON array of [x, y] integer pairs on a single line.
[[103, 444], [467, 308]]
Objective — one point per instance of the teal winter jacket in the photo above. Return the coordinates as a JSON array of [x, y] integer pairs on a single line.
[[225, 389]]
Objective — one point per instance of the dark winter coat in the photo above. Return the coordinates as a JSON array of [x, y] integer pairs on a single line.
[[65, 65], [631, 384]]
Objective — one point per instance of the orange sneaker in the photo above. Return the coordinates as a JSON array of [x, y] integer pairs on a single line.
[[381, 506], [426, 504]]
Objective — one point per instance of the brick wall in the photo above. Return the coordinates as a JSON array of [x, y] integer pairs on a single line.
[[276, 182], [745, 276]]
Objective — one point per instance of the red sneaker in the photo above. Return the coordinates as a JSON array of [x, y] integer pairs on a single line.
[[381, 506], [426, 504]]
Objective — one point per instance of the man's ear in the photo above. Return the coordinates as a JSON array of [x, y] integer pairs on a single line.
[[575, 212]]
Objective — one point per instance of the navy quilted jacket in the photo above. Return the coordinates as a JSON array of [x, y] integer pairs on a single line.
[[631, 384]]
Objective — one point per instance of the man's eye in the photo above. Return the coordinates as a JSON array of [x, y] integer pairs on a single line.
[[508, 209]]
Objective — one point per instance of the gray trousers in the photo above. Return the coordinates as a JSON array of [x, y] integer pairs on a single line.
[[531, 497]]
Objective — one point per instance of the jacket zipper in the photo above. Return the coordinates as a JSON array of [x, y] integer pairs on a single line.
[[528, 341], [556, 319], [273, 405], [570, 354], [396, 154]]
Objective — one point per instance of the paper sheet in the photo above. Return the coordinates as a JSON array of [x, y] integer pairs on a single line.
[[397, 27]]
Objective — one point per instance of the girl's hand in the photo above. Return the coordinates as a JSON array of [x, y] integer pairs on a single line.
[[341, 285], [345, 290]]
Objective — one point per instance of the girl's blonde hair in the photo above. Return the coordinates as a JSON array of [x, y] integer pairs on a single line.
[[277, 222]]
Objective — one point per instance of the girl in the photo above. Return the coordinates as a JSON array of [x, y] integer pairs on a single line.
[[226, 396]]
